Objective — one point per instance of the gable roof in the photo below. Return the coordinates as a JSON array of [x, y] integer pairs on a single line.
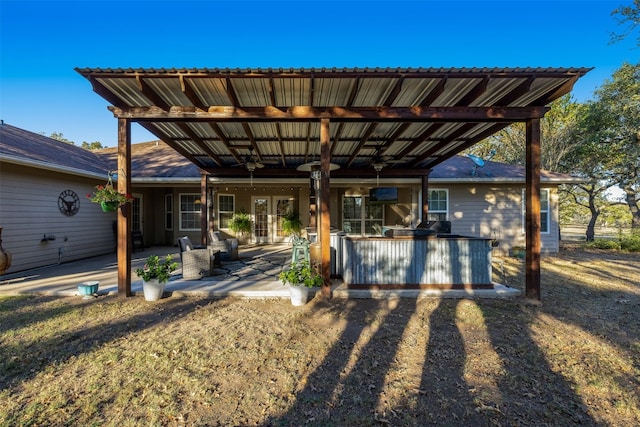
[[154, 159]]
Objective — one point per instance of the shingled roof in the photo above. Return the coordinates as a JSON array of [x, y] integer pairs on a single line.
[[24, 147], [158, 161]]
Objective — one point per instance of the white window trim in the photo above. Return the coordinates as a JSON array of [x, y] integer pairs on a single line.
[[180, 212], [363, 220], [233, 196], [446, 211], [548, 211]]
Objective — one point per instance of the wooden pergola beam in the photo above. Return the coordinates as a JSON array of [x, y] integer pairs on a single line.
[[337, 114]]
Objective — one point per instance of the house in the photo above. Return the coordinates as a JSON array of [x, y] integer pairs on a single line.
[[47, 219]]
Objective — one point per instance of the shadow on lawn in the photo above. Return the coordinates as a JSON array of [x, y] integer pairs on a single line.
[[349, 387], [532, 390], [23, 360], [343, 390]]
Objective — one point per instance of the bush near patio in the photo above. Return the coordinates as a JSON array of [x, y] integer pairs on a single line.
[[630, 243]]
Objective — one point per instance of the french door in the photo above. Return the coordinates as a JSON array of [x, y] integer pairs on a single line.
[[267, 225], [281, 207], [260, 207]]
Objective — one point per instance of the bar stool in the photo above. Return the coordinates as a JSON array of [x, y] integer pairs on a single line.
[[300, 250]]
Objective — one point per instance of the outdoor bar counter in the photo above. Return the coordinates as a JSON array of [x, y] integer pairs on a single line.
[[438, 261]]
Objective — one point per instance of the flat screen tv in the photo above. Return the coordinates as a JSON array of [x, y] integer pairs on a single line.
[[383, 195]]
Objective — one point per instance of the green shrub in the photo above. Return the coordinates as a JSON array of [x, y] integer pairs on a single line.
[[604, 244], [631, 243]]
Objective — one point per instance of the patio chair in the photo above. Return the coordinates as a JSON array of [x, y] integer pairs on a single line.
[[196, 262], [228, 247]]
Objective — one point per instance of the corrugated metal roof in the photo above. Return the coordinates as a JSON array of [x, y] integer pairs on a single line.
[[409, 118]]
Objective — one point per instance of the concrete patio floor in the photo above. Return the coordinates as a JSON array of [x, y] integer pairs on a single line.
[[253, 275]]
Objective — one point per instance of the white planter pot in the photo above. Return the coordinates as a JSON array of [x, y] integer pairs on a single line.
[[152, 290], [299, 295]]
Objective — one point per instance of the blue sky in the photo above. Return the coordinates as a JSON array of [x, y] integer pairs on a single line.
[[41, 42]]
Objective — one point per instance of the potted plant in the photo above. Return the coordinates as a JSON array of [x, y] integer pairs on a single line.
[[240, 224], [108, 197], [154, 275], [301, 277], [291, 224]]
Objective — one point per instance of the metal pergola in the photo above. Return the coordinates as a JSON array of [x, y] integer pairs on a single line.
[[395, 122]]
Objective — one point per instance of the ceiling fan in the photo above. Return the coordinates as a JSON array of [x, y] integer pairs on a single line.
[[377, 165], [251, 164]]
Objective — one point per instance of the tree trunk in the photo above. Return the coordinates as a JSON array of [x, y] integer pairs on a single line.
[[591, 228], [632, 201]]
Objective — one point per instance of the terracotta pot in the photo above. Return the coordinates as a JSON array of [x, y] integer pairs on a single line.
[[5, 257]]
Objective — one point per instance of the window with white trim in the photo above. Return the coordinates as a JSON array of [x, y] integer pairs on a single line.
[[545, 217], [360, 217], [438, 205], [190, 212], [226, 208]]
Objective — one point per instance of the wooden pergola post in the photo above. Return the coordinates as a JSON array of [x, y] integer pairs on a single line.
[[124, 212], [532, 216], [324, 232], [204, 223], [425, 197]]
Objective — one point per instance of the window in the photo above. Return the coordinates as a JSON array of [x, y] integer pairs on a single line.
[[360, 217], [168, 212], [190, 212], [226, 208], [544, 210], [438, 205]]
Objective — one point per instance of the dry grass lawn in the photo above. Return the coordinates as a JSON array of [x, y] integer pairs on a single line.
[[574, 359]]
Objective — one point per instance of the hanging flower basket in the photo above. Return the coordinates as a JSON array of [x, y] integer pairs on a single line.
[[108, 197], [109, 206]]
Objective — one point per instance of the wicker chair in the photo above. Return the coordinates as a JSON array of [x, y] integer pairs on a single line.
[[196, 261], [228, 247]]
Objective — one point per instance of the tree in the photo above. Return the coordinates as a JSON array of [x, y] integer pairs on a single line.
[[611, 136], [95, 145], [629, 16], [556, 130], [60, 137], [589, 195]]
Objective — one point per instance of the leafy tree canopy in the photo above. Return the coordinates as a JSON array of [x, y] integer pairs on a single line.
[[629, 18], [95, 145], [60, 137]]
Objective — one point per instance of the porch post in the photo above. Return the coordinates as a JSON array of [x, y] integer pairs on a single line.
[[124, 212], [425, 197], [532, 216], [324, 233], [204, 226]]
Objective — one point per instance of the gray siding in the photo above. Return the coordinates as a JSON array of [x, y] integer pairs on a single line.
[[493, 211], [29, 211]]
